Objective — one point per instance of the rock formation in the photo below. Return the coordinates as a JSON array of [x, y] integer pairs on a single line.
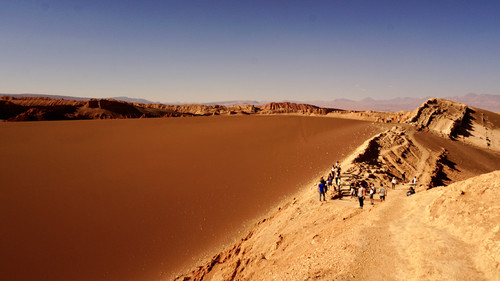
[[41, 108], [443, 116], [287, 107], [459, 122]]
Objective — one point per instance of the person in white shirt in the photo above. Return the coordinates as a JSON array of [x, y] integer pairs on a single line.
[[361, 196]]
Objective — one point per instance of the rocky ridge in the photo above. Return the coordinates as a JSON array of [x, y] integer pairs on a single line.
[[335, 241], [287, 107], [396, 152], [459, 122], [42, 108]]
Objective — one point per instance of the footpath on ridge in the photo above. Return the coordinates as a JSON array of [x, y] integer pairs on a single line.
[[403, 238], [334, 240], [397, 242]]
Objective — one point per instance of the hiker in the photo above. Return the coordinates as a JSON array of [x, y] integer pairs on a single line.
[[329, 182], [403, 177], [322, 180], [411, 191], [382, 192], [335, 167], [372, 193], [361, 196], [393, 182], [353, 188], [321, 187], [415, 181]]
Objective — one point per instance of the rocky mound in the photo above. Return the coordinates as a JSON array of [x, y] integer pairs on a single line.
[[196, 109], [459, 122], [370, 115], [245, 109], [443, 116], [288, 107], [396, 152], [37, 109], [8, 109], [102, 109]]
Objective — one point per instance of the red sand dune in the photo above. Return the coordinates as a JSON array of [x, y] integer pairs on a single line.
[[132, 199]]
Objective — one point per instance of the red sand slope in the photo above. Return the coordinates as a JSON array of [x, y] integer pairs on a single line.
[[130, 199]]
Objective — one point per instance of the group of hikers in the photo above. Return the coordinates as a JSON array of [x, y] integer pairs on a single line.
[[358, 188], [333, 176], [361, 188]]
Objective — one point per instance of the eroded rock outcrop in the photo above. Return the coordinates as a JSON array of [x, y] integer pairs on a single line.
[[370, 115], [108, 108], [395, 152], [442, 116], [37, 109], [9, 109], [459, 122], [288, 107], [41, 108]]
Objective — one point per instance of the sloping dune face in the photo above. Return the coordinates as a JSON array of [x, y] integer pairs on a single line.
[[138, 199]]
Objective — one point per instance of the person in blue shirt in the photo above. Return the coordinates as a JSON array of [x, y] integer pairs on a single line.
[[322, 189]]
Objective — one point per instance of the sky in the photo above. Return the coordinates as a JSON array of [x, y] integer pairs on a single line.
[[206, 51]]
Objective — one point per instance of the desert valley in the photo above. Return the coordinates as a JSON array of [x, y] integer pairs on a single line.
[[111, 190]]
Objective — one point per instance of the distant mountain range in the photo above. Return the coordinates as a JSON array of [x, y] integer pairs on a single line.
[[484, 101], [238, 102], [127, 99]]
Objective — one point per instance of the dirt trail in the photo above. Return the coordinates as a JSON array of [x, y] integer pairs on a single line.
[[396, 242], [335, 240]]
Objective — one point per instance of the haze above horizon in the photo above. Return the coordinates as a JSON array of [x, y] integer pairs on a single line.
[[201, 51]]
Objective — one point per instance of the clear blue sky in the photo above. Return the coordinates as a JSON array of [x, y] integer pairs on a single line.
[[201, 51]]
